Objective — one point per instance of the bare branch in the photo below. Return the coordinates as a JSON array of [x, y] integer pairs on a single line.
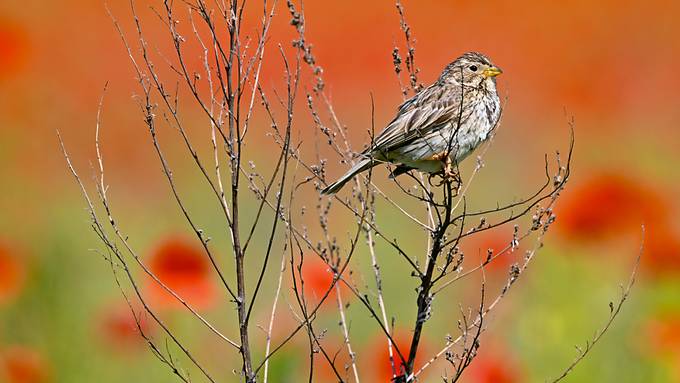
[[614, 310]]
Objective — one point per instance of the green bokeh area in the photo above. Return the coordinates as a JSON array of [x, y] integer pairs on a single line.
[[557, 304]]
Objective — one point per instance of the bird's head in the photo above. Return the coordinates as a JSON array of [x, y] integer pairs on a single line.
[[471, 69]]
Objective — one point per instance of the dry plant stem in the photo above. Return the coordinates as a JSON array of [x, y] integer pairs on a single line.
[[424, 298], [614, 310], [148, 111], [167, 360], [370, 205], [292, 81], [346, 204], [300, 297], [266, 22], [300, 236], [470, 351], [282, 269], [525, 205], [234, 145], [363, 299], [337, 276], [102, 189], [307, 319], [542, 221], [427, 227], [410, 50], [314, 340], [480, 317], [213, 127], [381, 301], [430, 218], [101, 232], [273, 314], [168, 173], [231, 86], [345, 333]]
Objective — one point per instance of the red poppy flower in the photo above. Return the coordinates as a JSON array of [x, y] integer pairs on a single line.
[[184, 268], [24, 365], [118, 327], [12, 273], [492, 366], [606, 204]]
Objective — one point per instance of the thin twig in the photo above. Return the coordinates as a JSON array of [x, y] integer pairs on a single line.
[[614, 310]]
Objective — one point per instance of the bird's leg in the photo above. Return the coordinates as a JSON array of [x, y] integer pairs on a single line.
[[449, 170], [444, 158], [452, 174]]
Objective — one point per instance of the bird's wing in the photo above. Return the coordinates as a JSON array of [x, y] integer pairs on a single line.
[[418, 117]]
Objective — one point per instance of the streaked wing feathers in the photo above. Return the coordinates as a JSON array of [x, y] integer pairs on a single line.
[[418, 117]]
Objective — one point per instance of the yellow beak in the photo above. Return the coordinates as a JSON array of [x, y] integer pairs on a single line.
[[492, 72]]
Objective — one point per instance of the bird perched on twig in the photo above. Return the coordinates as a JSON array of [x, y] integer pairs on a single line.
[[440, 126]]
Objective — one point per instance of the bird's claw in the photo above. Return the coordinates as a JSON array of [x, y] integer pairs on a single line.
[[449, 173]]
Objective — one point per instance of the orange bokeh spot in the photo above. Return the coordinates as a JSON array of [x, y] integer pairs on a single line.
[[475, 248], [605, 204], [12, 273], [378, 353], [663, 334], [492, 367], [13, 47], [323, 371], [612, 206], [661, 337], [317, 277], [184, 268], [661, 252], [24, 365], [118, 327]]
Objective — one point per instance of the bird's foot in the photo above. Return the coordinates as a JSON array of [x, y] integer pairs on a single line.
[[449, 170], [449, 173]]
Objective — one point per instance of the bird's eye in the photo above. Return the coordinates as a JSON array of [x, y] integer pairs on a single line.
[[473, 68]]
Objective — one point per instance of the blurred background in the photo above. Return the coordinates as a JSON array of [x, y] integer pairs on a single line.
[[611, 65]]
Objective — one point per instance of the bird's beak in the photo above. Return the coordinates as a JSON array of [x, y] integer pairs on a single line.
[[492, 71]]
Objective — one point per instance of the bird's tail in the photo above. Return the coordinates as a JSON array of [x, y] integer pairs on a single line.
[[360, 166]]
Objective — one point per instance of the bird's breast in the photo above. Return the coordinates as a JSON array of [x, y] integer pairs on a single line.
[[483, 117]]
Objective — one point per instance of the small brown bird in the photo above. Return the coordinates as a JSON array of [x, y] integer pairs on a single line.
[[440, 126]]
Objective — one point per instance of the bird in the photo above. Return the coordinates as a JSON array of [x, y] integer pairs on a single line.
[[439, 126]]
